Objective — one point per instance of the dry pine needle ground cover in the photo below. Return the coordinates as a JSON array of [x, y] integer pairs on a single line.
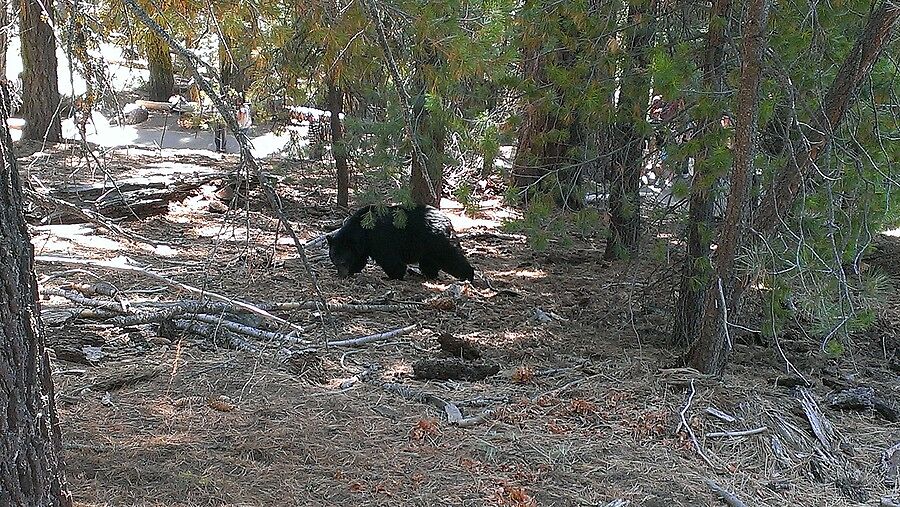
[[583, 411]]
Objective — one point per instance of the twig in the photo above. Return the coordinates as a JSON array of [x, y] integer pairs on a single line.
[[244, 329], [721, 415], [119, 266], [733, 434], [352, 342], [468, 422], [688, 426], [726, 496]]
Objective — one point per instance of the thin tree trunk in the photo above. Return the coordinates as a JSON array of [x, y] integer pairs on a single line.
[[159, 61], [39, 79], [338, 148], [628, 151], [30, 461], [782, 194], [697, 270]]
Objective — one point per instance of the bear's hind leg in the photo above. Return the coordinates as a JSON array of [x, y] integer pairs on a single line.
[[429, 268]]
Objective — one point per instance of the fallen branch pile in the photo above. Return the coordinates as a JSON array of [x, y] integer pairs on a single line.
[[235, 324]]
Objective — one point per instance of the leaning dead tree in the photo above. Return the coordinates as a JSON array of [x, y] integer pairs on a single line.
[[722, 303], [248, 161]]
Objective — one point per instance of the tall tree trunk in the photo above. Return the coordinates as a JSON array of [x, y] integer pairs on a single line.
[[697, 270], [39, 78], [162, 73], [426, 181], [711, 351], [30, 461], [628, 150], [4, 37], [338, 148], [427, 178]]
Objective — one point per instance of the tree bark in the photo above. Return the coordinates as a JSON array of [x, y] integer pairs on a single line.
[[427, 177], [162, 74], [30, 462], [4, 37], [39, 78], [711, 351], [338, 148], [628, 154], [712, 348], [697, 270]]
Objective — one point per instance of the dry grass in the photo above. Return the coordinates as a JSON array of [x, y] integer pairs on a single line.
[[585, 415]]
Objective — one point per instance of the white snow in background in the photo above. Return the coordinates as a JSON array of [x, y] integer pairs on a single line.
[[161, 131]]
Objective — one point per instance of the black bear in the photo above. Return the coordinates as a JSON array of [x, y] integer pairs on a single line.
[[426, 238]]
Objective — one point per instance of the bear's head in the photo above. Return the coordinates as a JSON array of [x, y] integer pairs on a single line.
[[344, 254]]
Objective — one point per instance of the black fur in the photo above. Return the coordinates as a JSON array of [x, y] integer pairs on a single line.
[[427, 239]]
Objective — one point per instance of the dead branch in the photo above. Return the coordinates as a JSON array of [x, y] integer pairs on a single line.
[[239, 328], [726, 495], [352, 342], [90, 216], [215, 333], [687, 426], [735, 434], [82, 300], [820, 425], [120, 266], [863, 398], [475, 420], [454, 416], [215, 307], [713, 411]]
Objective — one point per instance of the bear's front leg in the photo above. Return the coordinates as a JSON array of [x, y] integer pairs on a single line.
[[395, 270]]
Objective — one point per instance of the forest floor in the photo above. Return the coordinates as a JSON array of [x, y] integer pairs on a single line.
[[584, 410]]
